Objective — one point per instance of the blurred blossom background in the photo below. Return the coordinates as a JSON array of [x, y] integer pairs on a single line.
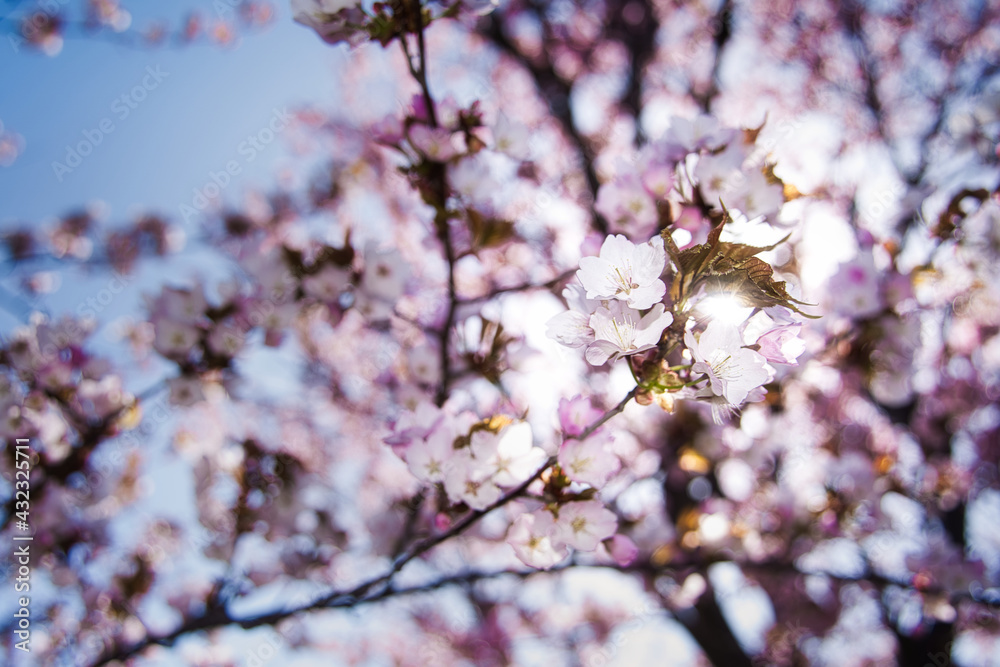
[[305, 313]]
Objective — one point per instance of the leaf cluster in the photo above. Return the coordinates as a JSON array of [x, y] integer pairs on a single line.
[[721, 267]]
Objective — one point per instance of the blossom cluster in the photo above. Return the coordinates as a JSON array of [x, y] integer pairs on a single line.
[[697, 166], [46, 28], [616, 312], [474, 460], [477, 461], [604, 313], [355, 22], [204, 338], [54, 383]]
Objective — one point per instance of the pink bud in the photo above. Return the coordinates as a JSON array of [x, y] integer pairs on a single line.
[[576, 414], [591, 245], [389, 130], [420, 107], [442, 522], [273, 337], [622, 549], [782, 345]]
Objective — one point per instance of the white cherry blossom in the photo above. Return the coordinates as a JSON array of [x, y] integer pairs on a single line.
[[511, 138], [174, 338], [226, 340], [572, 327], [732, 370], [385, 274], [620, 331], [428, 459], [626, 272]]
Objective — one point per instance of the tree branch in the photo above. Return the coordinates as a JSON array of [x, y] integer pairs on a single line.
[[556, 91], [378, 588], [525, 287], [723, 31]]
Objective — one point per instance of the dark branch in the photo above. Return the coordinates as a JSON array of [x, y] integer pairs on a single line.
[[721, 34], [556, 91]]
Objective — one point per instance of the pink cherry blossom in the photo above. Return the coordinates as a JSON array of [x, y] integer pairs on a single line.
[[437, 143], [532, 538], [576, 414], [623, 550], [626, 203], [585, 524], [590, 461], [328, 284], [782, 344]]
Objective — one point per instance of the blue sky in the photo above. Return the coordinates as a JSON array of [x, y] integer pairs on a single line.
[[191, 119], [195, 115], [188, 110]]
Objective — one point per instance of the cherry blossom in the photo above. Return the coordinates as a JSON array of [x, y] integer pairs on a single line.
[[854, 289], [576, 414], [590, 461], [328, 284], [626, 272], [620, 331], [572, 327], [782, 345], [470, 480], [511, 138], [532, 537], [429, 457], [701, 132], [437, 143], [324, 16], [174, 338], [732, 370], [626, 202], [385, 274], [623, 550], [584, 525], [226, 340], [509, 455]]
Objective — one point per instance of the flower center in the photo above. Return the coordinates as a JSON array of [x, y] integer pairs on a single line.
[[625, 333], [624, 280]]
